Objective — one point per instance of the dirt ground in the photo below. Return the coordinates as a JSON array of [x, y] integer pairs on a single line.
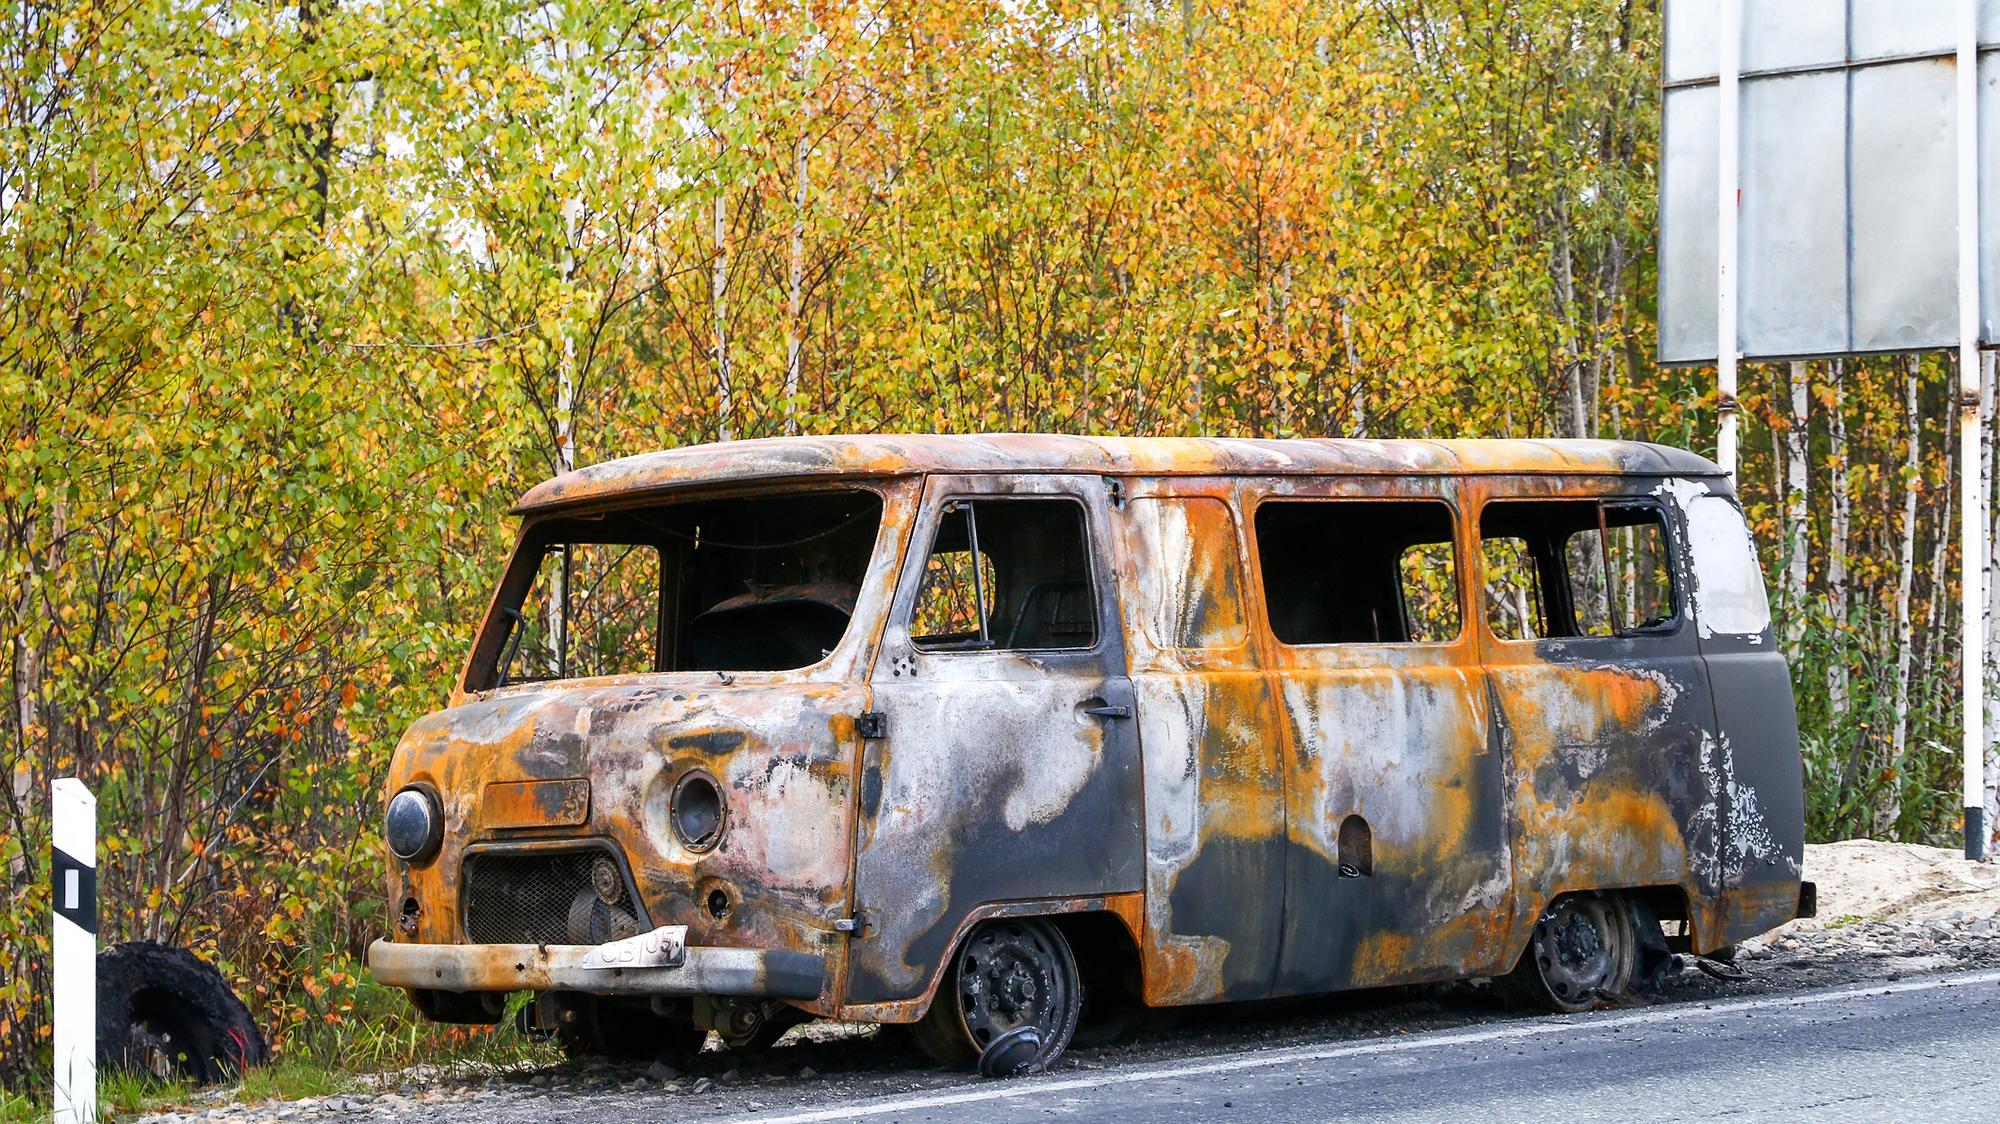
[[1885, 911]]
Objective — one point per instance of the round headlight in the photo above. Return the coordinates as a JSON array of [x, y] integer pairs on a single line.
[[698, 810], [414, 826]]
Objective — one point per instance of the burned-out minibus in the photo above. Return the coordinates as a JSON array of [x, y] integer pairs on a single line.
[[986, 734]]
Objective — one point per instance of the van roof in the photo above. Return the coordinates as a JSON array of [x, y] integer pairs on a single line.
[[876, 455]]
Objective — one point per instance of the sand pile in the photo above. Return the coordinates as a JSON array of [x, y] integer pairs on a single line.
[[1863, 880]]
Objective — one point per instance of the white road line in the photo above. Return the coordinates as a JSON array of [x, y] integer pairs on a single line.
[[1030, 1087]]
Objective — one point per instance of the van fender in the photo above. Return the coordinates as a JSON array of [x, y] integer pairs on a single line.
[[1651, 904], [1129, 908]]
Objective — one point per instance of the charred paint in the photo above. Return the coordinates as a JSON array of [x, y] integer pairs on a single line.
[[995, 783], [1487, 776]]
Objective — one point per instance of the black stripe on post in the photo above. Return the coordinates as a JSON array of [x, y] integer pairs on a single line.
[[1975, 832], [75, 886]]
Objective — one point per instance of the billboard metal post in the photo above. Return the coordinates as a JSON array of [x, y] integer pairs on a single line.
[[1972, 530], [1727, 201], [73, 870]]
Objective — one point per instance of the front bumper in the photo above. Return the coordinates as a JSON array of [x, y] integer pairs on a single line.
[[764, 973]]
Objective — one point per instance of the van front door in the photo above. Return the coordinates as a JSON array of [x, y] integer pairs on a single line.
[[1009, 769]]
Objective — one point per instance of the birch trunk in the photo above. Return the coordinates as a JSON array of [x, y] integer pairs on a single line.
[[718, 291], [558, 619], [1836, 545], [795, 330], [1628, 577], [1941, 635], [1891, 808], [1357, 403], [1797, 446]]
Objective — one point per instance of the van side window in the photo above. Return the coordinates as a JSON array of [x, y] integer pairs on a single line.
[[1575, 568], [1007, 574], [1359, 571]]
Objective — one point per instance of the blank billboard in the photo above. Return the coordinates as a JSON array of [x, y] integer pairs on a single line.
[[1848, 178]]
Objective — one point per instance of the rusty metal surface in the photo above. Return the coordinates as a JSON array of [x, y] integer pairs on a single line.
[[1491, 775], [554, 803], [879, 455], [542, 967]]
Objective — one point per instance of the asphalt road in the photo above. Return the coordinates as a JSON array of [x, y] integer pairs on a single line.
[[1918, 1049]]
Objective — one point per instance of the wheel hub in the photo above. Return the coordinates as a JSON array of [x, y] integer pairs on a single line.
[[1577, 943]]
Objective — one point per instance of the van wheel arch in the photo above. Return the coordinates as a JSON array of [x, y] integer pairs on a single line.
[[1580, 951], [1024, 975]]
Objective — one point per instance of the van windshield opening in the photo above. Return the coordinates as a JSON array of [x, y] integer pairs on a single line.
[[759, 583]]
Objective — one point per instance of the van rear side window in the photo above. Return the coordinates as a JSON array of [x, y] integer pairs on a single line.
[[1575, 568], [1359, 571]]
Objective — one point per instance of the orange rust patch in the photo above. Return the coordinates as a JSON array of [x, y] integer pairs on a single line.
[[1131, 909], [563, 803]]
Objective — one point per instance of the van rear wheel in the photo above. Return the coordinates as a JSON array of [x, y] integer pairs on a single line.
[[1007, 975], [1582, 952]]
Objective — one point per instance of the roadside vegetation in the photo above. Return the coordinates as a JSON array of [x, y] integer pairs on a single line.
[[301, 297]]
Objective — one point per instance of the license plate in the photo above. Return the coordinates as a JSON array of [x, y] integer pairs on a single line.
[[664, 947]]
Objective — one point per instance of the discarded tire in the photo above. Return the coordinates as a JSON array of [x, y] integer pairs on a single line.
[[165, 1011]]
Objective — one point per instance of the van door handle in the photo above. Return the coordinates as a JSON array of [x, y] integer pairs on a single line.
[[1108, 711]]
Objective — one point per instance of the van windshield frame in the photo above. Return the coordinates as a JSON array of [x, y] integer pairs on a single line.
[[766, 581]]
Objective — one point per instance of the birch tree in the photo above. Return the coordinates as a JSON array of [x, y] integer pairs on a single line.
[[1891, 809], [1798, 526], [1837, 530]]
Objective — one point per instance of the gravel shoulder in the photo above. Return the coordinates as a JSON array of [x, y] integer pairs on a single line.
[[1887, 911]]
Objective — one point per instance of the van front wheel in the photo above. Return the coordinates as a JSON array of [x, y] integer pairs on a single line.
[[1581, 953], [1008, 974]]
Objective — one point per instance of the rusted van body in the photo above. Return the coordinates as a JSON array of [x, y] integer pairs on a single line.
[[1234, 719]]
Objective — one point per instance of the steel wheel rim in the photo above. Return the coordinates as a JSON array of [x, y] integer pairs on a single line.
[[1011, 976], [1579, 948]]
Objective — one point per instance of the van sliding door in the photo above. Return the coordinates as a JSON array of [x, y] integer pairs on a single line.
[[1397, 864], [1214, 807]]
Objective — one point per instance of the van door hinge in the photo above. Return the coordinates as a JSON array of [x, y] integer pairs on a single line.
[[872, 725], [855, 924]]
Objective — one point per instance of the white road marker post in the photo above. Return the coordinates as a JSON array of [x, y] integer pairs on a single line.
[[1972, 528], [73, 869]]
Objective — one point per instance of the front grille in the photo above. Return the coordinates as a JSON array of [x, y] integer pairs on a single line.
[[547, 897]]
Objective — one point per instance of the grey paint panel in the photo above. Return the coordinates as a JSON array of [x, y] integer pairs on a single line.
[[1687, 227], [1905, 201], [1794, 217], [1691, 39]]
